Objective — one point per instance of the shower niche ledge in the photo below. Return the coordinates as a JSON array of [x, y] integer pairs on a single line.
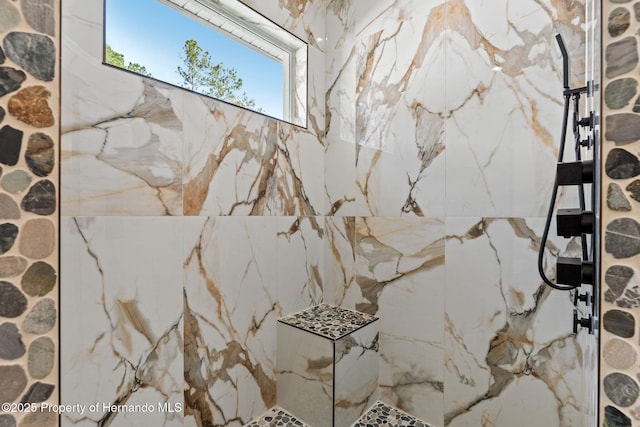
[[327, 367]]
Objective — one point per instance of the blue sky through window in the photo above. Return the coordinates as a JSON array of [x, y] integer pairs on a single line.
[[152, 34]]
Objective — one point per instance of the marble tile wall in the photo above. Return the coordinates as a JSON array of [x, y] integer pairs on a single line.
[[619, 381], [216, 210], [443, 120], [416, 194], [29, 187]]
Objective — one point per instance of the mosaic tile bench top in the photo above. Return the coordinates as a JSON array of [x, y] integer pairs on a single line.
[[379, 414], [328, 320], [276, 417]]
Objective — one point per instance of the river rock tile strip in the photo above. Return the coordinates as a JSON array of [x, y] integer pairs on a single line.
[[12, 266], [619, 354], [328, 321], [9, 16], [634, 189], [41, 318], [622, 238], [615, 418], [11, 345], [39, 279], [12, 301], [40, 154], [619, 21], [30, 105], [276, 417], [35, 53], [8, 208], [41, 198], [10, 143], [616, 199], [41, 357], [8, 234], [619, 92], [621, 57], [7, 420], [616, 277], [619, 323], [11, 79], [621, 389], [623, 128], [38, 392], [381, 414], [37, 238], [621, 164], [23, 239], [39, 419], [15, 182], [13, 381], [40, 14]]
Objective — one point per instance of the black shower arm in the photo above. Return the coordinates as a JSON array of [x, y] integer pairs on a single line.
[[565, 71], [565, 61]]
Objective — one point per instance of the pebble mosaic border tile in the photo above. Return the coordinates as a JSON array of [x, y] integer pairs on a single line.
[[620, 297], [382, 414], [29, 99], [329, 321], [276, 417]]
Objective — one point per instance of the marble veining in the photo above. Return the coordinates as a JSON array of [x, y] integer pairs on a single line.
[[236, 287], [145, 148], [518, 348], [412, 190], [128, 348]]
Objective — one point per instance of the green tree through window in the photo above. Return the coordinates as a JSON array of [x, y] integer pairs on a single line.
[[199, 74], [117, 59]]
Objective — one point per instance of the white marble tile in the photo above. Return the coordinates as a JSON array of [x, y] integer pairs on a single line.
[[340, 287], [400, 272], [517, 334], [231, 309], [121, 338], [230, 160], [305, 19], [241, 163], [126, 166], [91, 92], [356, 374], [504, 92], [122, 140], [340, 148], [340, 178], [305, 375], [316, 92], [298, 188], [300, 262], [400, 116], [498, 412]]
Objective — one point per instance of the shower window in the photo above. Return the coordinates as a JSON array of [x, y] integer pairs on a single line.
[[219, 48]]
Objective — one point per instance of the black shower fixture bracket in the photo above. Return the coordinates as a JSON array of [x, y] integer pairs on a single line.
[[571, 272]]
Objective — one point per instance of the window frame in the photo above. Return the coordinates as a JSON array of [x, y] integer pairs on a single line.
[[245, 25]]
